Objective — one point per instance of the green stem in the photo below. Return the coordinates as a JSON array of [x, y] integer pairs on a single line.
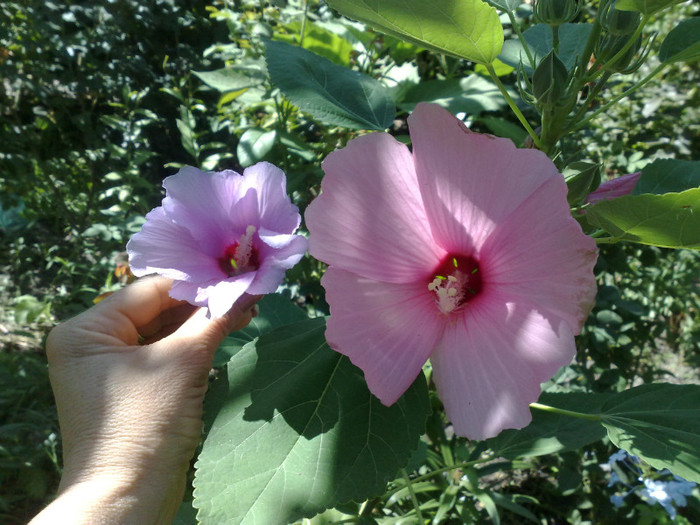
[[513, 105], [590, 98], [619, 97], [302, 31], [440, 471], [414, 499], [587, 52], [555, 38], [516, 28], [561, 411]]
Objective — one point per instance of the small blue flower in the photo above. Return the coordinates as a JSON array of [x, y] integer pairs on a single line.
[[617, 500]]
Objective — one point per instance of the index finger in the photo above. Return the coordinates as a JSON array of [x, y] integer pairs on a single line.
[[142, 301]]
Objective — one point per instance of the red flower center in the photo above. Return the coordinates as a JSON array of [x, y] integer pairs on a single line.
[[242, 256], [456, 281]]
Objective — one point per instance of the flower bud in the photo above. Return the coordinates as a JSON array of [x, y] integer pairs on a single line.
[[555, 12], [581, 176], [609, 45], [550, 80], [620, 23]]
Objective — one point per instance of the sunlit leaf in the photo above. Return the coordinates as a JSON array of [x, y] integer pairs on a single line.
[[467, 29], [254, 144], [295, 430], [671, 220], [230, 79]]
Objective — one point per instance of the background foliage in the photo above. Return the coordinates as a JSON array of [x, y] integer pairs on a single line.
[[100, 100]]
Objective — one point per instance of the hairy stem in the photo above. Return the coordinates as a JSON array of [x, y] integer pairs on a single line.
[[513, 105]]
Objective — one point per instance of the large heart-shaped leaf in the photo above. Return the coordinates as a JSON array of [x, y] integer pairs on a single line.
[[333, 94], [671, 220], [274, 310], [660, 424], [550, 432], [463, 28], [295, 430], [682, 44]]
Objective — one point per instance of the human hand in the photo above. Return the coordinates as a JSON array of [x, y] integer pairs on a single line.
[[129, 376]]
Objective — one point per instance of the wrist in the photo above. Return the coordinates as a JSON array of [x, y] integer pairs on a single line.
[[113, 500]]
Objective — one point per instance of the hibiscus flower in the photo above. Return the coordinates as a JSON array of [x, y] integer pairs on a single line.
[[463, 252], [220, 235]]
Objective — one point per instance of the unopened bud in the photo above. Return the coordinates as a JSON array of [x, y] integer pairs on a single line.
[[550, 80], [555, 12], [608, 47], [620, 23]]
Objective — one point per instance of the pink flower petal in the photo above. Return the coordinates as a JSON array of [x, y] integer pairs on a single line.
[[202, 201], [614, 188], [270, 185], [540, 254], [369, 218], [469, 182], [387, 330], [489, 365], [219, 296], [168, 249], [284, 252]]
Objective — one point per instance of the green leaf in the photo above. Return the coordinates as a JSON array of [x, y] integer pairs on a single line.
[[682, 44], [504, 128], [332, 94], [275, 310], [668, 176], [295, 430], [671, 220], [573, 38], [660, 424], [231, 79], [646, 7], [254, 144], [321, 41], [473, 95], [506, 5], [467, 29], [550, 433]]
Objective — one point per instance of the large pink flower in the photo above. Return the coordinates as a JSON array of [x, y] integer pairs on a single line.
[[464, 253], [220, 235]]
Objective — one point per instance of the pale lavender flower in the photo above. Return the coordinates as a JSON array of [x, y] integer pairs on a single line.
[[668, 494], [219, 235]]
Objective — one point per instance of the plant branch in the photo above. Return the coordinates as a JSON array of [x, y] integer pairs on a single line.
[[561, 411], [513, 105], [619, 97]]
